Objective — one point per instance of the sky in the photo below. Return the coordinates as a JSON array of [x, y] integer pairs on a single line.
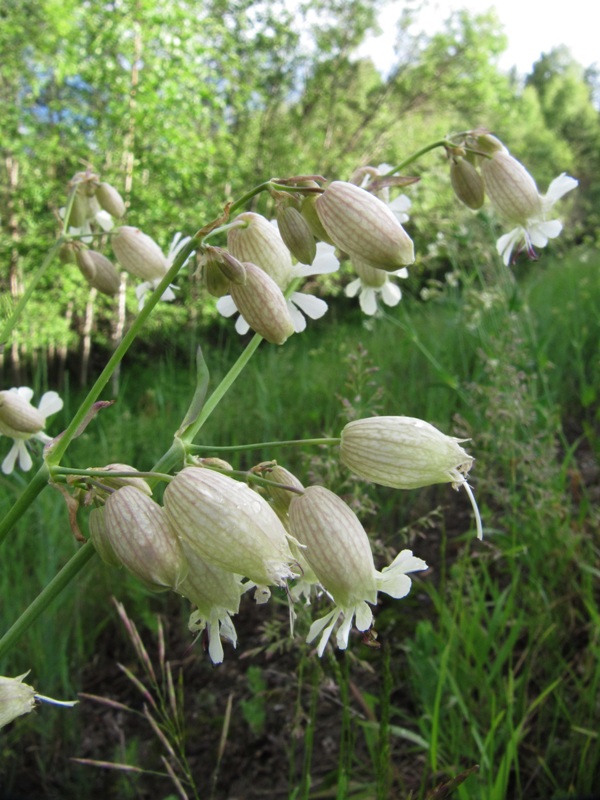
[[530, 31]]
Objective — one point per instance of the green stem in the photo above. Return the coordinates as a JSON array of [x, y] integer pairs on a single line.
[[46, 596], [31, 491], [416, 156], [12, 320], [108, 473], [202, 448]]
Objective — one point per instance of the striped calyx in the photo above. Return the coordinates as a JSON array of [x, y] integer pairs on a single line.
[[363, 226], [229, 525], [467, 183], [337, 546], [262, 304], [510, 188], [139, 254], [403, 452], [139, 533], [257, 241]]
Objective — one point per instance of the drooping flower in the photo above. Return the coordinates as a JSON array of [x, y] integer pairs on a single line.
[[18, 698], [536, 230], [299, 303], [406, 453], [144, 289], [21, 421], [371, 283], [339, 553]]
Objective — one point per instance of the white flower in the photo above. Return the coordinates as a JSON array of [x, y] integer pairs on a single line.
[[538, 229], [339, 553], [299, 303], [21, 421], [145, 288], [372, 282]]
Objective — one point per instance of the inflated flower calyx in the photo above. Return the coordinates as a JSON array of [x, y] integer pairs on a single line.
[[18, 418], [16, 698], [220, 270], [262, 304], [308, 209], [98, 271], [467, 183], [402, 452], [229, 525], [139, 254], [100, 538], [510, 188], [281, 497], [255, 240], [110, 199], [362, 225], [296, 233], [142, 539]]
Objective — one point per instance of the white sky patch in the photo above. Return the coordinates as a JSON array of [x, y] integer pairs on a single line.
[[530, 30]]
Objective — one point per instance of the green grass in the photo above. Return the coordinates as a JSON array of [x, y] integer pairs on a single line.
[[495, 656]]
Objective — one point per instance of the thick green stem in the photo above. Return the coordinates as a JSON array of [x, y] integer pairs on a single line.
[[46, 596], [202, 448]]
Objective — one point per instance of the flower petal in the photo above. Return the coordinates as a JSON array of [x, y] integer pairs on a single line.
[[50, 403], [368, 301], [25, 462], [9, 462], [364, 616], [226, 306], [297, 317], [558, 188], [312, 306], [241, 325], [506, 243], [390, 294], [353, 288]]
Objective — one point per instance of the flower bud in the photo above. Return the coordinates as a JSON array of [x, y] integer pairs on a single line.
[[79, 209], [18, 418], [296, 233], [281, 497], [257, 241], [262, 304], [403, 452], [363, 226], [66, 254], [139, 254], [98, 271], [229, 525], [119, 481], [309, 212], [16, 698], [511, 189], [337, 546], [110, 200], [488, 144], [139, 533], [221, 269], [467, 183]]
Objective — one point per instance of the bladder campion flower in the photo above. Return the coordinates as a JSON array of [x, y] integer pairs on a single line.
[[339, 553], [21, 421], [18, 698], [406, 453], [371, 283]]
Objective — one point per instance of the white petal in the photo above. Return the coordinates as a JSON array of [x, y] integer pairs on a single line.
[[312, 306], [104, 219], [326, 625], [507, 243], [343, 633], [364, 617], [540, 232], [559, 187], [168, 295], [141, 291], [368, 301], [399, 206], [9, 462], [24, 392], [297, 317], [400, 273], [241, 325], [50, 403], [326, 260], [390, 294], [226, 306], [25, 461], [215, 647], [228, 631], [353, 288]]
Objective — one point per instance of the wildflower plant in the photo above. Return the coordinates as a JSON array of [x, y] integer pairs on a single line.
[[217, 534]]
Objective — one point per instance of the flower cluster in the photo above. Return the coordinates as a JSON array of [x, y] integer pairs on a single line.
[[481, 165], [215, 538]]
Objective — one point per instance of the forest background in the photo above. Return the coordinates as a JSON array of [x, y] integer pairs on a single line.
[[182, 106]]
